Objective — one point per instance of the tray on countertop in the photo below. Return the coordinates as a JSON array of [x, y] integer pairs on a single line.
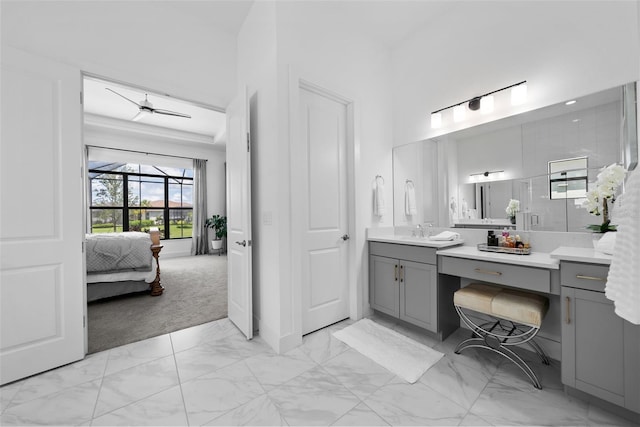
[[501, 249]]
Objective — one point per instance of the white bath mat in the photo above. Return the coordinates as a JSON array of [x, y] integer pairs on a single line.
[[401, 355]]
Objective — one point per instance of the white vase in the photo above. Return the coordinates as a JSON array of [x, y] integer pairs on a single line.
[[216, 244]]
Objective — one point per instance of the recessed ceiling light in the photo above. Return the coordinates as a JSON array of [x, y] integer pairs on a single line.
[[575, 120], [570, 102]]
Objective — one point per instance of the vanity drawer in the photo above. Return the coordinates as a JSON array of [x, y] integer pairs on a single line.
[[534, 279], [591, 277], [408, 252]]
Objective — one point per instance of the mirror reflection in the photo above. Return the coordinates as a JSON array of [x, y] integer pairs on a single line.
[[529, 171]]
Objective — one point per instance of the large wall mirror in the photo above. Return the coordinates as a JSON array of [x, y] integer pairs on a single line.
[[545, 159]]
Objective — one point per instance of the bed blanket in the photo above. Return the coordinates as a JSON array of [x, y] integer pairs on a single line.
[[113, 252]]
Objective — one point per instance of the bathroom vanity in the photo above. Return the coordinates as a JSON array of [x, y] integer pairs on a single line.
[[600, 350], [403, 282], [414, 279]]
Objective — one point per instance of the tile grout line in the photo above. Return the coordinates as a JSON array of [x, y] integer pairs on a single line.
[[95, 406], [175, 361]]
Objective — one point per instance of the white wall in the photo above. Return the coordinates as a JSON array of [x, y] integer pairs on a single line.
[[563, 50], [216, 191], [158, 45], [257, 71], [344, 63]]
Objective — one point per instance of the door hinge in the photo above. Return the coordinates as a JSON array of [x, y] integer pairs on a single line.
[[84, 321], [82, 247], [248, 142], [81, 98]]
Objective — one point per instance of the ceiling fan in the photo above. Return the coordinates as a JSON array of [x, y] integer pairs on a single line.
[[146, 108]]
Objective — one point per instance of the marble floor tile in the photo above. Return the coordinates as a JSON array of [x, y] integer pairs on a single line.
[[202, 334], [8, 392], [136, 383], [456, 380], [414, 404], [321, 345], [361, 375], [272, 369], [210, 396], [90, 368], [163, 409], [138, 353], [598, 416], [313, 398], [70, 406], [513, 400], [260, 411], [474, 420], [361, 415], [204, 359]]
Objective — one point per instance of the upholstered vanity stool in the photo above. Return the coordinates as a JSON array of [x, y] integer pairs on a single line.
[[516, 319]]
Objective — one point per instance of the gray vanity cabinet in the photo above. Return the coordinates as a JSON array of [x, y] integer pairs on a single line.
[[403, 282], [600, 350]]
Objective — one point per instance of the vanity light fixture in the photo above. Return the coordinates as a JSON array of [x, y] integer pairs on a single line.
[[484, 103], [486, 176]]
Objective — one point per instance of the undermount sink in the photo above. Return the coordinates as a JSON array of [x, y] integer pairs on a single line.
[[413, 238]]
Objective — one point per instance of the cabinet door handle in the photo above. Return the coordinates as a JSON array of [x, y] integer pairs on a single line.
[[567, 301], [493, 273], [395, 272], [599, 279], [401, 273]]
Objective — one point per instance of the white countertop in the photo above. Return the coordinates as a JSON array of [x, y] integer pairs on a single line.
[[590, 255], [535, 259], [415, 241]]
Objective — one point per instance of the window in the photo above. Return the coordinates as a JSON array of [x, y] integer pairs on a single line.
[[568, 178], [135, 197]]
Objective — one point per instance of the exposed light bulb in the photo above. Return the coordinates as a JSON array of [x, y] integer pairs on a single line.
[[519, 94], [436, 120], [573, 101], [486, 104], [458, 113]]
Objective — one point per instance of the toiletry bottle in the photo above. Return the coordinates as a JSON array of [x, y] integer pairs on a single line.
[[490, 237]]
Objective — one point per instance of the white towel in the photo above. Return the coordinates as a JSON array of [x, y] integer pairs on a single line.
[[378, 197], [445, 235], [623, 282], [410, 199]]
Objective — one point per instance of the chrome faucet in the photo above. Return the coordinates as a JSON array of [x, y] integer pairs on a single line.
[[418, 232], [429, 229]]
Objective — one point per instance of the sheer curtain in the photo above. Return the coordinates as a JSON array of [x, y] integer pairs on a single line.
[[199, 240]]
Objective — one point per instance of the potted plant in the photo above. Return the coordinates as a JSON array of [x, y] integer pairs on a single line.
[[219, 224]]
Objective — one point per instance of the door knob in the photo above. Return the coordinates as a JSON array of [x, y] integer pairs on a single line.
[[345, 237], [243, 243]]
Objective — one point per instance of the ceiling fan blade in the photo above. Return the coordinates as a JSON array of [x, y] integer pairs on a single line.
[[140, 115], [133, 102], [171, 113]]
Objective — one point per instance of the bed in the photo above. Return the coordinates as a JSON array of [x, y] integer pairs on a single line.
[[122, 263]]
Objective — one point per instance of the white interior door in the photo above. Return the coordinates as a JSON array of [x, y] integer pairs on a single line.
[[324, 210], [41, 236], [240, 306]]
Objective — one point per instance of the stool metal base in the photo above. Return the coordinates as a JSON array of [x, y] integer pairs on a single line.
[[498, 335]]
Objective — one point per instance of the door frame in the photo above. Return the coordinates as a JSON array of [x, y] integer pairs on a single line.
[[355, 291]]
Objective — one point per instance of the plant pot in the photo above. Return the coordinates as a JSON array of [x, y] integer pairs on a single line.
[[512, 219], [216, 244]]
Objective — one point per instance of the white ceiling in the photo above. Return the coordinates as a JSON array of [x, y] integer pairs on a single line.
[[383, 21], [98, 101]]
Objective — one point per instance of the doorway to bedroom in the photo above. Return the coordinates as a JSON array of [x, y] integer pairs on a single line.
[[153, 164]]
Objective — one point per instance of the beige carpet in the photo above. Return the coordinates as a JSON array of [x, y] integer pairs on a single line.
[[195, 293]]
